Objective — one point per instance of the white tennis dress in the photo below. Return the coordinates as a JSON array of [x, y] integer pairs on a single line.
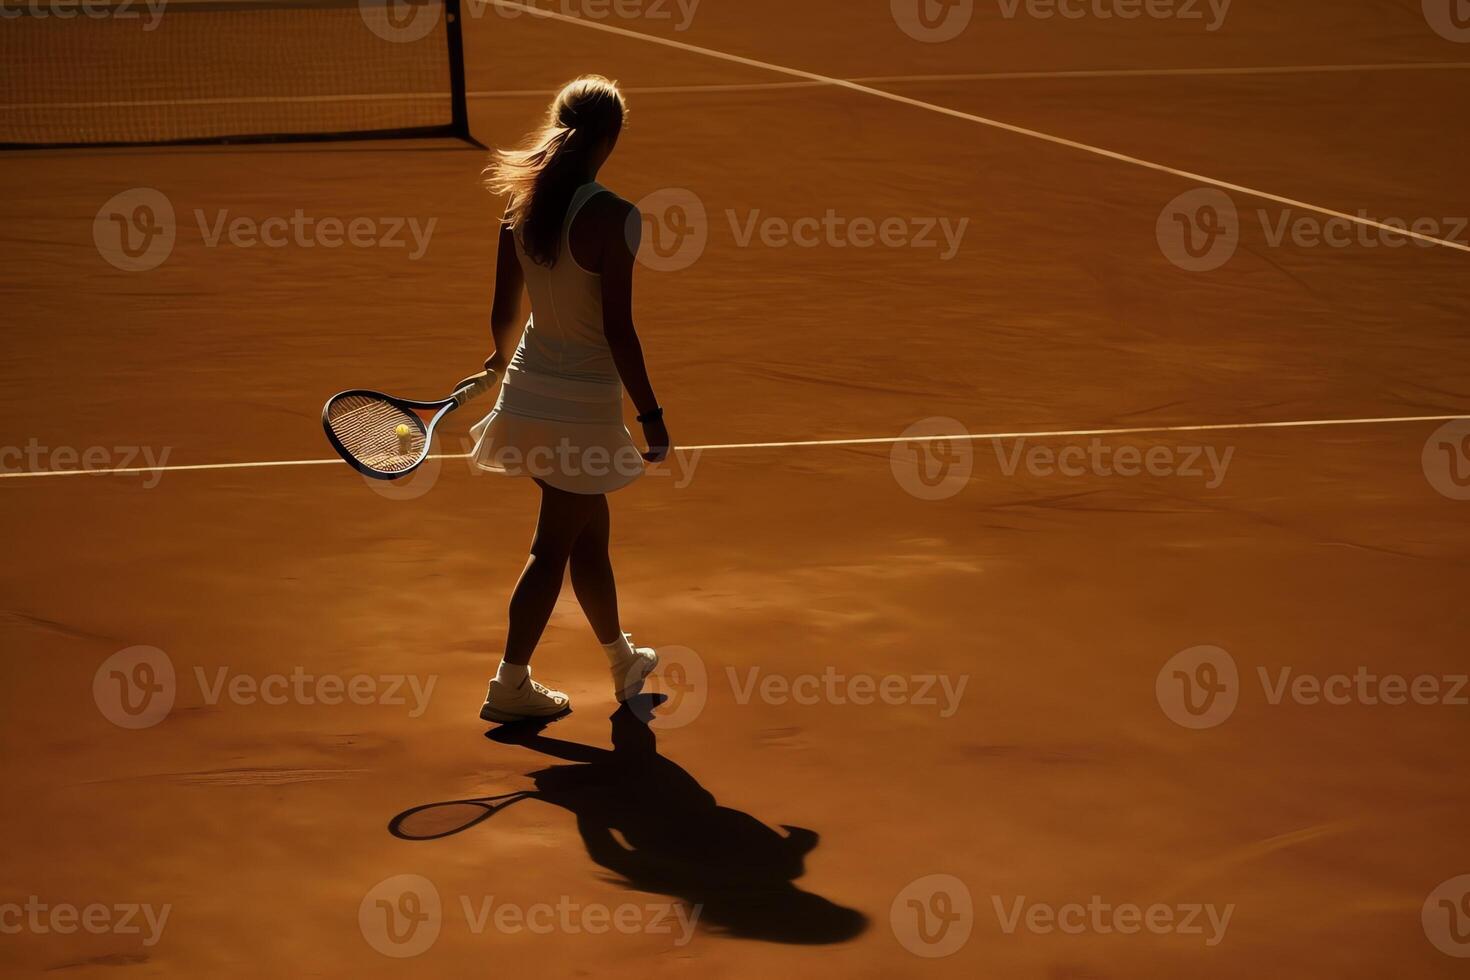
[[559, 415]]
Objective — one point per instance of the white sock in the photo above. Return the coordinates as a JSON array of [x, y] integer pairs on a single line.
[[512, 675], [618, 650]]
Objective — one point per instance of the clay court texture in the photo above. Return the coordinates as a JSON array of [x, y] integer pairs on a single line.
[[1062, 574]]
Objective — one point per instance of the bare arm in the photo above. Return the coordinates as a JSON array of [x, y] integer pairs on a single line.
[[620, 227], [505, 312]]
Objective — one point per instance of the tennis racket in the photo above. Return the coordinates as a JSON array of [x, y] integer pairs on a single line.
[[386, 438]]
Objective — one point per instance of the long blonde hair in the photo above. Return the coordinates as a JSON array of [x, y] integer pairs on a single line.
[[540, 177]]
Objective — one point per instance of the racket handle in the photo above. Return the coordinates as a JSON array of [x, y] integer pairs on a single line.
[[472, 388]]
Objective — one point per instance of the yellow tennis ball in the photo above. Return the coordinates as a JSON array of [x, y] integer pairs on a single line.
[[403, 430]]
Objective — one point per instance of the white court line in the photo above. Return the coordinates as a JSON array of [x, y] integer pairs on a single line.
[[972, 117], [986, 76], [804, 443]]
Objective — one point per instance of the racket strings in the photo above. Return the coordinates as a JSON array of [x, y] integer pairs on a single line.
[[367, 428]]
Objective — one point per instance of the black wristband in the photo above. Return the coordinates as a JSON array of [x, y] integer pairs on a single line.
[[654, 416]]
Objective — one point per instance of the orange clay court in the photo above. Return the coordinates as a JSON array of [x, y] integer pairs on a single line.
[[1164, 688]]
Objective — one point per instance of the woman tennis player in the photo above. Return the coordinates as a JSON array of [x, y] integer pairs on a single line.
[[570, 243]]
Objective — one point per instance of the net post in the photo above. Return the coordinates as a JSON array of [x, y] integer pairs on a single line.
[[459, 108]]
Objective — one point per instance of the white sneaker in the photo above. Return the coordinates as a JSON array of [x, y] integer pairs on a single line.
[[504, 703], [629, 671]]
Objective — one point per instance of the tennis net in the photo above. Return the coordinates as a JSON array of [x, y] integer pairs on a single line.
[[138, 72]]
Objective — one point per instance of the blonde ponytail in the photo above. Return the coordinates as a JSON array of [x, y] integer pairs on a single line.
[[539, 178]]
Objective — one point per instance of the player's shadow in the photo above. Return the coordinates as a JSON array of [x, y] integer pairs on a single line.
[[653, 826]]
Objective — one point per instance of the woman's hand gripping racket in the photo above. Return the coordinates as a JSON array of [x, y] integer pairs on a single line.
[[385, 437]]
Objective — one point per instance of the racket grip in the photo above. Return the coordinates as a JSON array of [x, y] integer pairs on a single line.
[[473, 388]]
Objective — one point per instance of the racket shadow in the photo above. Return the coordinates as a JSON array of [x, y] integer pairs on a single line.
[[433, 821], [654, 828]]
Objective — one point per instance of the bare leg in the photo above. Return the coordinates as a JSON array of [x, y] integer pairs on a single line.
[[592, 575], [562, 518]]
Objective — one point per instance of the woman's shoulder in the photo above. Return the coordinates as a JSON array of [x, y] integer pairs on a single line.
[[606, 204], [606, 216]]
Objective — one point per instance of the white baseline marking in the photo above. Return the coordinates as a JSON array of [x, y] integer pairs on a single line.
[[972, 117], [802, 443]]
